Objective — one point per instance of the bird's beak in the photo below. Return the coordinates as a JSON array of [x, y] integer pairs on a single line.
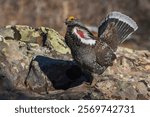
[[66, 22]]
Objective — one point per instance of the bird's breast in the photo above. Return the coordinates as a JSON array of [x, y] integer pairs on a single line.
[[84, 55]]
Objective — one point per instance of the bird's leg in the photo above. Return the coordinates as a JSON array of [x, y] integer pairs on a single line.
[[95, 79]]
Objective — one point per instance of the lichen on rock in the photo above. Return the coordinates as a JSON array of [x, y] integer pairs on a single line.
[[42, 36]]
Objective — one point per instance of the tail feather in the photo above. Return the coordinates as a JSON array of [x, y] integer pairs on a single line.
[[123, 24]]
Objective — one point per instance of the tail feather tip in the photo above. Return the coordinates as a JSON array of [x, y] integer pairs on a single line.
[[124, 18]]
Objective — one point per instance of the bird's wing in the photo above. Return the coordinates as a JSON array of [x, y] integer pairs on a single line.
[[115, 29], [104, 54]]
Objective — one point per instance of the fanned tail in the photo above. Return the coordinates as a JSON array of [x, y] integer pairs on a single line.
[[123, 25]]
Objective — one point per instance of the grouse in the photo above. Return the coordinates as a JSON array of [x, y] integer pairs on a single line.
[[95, 54]]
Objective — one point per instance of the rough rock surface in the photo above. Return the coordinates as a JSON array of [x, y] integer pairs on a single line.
[[36, 64]]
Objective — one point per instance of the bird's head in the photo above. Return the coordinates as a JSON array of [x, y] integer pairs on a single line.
[[71, 20]]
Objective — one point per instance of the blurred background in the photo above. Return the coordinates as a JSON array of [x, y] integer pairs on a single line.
[[52, 13]]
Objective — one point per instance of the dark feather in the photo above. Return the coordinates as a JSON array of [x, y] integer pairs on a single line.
[[116, 28], [104, 54]]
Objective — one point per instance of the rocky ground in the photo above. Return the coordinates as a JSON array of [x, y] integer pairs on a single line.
[[36, 64]]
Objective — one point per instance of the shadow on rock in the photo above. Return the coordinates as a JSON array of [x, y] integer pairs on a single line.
[[47, 74]]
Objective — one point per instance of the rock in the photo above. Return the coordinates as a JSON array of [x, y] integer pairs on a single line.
[[107, 87], [31, 69], [43, 36], [128, 78], [142, 90], [59, 74]]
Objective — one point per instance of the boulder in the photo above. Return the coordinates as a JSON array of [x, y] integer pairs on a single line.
[[36, 64]]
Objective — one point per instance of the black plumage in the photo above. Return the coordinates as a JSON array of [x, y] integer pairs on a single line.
[[95, 54]]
